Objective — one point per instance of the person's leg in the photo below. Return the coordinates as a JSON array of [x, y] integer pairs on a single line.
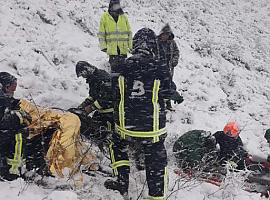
[[5, 143], [36, 150], [156, 171], [120, 165], [12, 158]]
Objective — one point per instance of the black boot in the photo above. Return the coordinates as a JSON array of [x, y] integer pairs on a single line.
[[121, 185], [4, 171]]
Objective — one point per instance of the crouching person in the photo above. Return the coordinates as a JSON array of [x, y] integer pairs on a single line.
[[54, 135], [231, 147], [13, 132], [98, 127]]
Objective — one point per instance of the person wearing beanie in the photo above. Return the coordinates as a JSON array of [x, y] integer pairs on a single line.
[[168, 52], [115, 35], [13, 122]]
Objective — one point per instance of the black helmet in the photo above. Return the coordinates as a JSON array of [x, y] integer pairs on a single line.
[[83, 69], [6, 79], [145, 41]]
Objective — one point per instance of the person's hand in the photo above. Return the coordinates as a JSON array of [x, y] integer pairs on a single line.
[[177, 98], [232, 164], [25, 118]]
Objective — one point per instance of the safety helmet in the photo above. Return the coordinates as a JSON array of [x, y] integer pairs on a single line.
[[231, 129], [145, 40], [83, 69]]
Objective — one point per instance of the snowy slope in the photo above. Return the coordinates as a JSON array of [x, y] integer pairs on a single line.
[[223, 73]]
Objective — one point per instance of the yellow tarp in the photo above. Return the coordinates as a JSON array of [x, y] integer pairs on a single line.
[[66, 149]]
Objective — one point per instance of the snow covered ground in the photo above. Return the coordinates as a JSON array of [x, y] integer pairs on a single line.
[[223, 73]]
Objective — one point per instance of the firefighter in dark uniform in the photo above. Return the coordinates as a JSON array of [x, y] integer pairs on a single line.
[[143, 84], [99, 101], [13, 133]]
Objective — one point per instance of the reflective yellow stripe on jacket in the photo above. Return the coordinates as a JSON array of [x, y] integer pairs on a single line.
[[102, 110], [112, 35], [121, 112]]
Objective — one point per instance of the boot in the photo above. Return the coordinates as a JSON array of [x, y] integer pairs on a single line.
[[4, 171], [121, 185]]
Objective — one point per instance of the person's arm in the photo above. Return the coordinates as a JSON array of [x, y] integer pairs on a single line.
[[129, 34], [175, 54], [242, 151], [102, 34], [14, 120]]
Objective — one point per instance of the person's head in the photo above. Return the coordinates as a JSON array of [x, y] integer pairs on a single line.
[[114, 6], [84, 69], [231, 129], [267, 136], [166, 33], [8, 83], [145, 41]]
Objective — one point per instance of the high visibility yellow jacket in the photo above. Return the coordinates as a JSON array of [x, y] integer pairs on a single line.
[[112, 35]]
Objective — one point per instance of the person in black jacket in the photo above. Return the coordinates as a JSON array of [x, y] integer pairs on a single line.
[[142, 86], [13, 132], [99, 101], [231, 145]]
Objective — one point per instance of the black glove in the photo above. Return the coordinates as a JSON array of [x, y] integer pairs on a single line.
[[176, 97]]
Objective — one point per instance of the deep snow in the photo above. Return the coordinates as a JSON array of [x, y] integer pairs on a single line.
[[223, 72]]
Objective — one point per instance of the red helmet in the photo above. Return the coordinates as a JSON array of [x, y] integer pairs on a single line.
[[231, 129]]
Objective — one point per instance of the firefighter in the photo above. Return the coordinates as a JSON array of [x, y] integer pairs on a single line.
[[115, 36], [140, 116], [13, 132], [99, 102]]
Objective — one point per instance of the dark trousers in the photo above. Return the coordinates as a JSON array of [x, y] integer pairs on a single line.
[[155, 162], [12, 149], [36, 150]]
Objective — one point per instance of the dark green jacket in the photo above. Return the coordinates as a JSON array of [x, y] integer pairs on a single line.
[[194, 147]]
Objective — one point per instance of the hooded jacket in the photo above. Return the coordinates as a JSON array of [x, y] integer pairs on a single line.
[[168, 50], [142, 87]]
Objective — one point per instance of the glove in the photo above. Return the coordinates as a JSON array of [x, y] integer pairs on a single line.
[[232, 164], [25, 118], [177, 98], [104, 50]]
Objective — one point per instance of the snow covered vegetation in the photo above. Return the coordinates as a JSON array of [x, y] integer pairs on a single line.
[[223, 75]]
